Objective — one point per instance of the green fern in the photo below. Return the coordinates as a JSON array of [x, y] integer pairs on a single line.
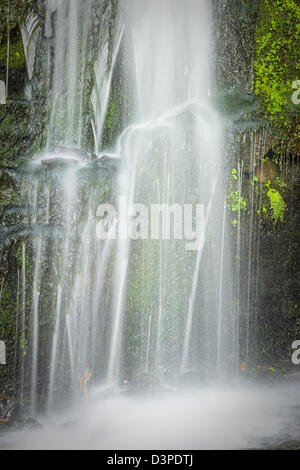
[[278, 206]]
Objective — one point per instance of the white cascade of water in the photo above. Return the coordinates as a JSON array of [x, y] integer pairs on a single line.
[[174, 146], [103, 70], [126, 309], [30, 30], [72, 26]]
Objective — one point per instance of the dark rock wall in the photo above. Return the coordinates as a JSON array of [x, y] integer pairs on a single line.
[[265, 250]]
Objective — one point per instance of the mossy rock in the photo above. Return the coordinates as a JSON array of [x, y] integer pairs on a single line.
[[277, 65], [16, 50]]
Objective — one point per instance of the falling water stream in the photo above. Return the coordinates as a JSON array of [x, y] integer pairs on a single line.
[[144, 314], [127, 308]]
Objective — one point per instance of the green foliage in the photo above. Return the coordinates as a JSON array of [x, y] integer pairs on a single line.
[[263, 210], [236, 202], [277, 63], [278, 206], [234, 174], [16, 53]]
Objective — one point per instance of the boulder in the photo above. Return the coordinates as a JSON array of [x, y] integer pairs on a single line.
[[53, 163], [33, 423], [10, 412]]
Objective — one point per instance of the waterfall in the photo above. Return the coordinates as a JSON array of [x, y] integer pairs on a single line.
[[23, 322], [130, 310], [30, 33], [103, 70], [172, 155], [73, 24]]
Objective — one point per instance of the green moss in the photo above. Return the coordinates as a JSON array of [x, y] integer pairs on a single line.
[[277, 63], [16, 50], [7, 314]]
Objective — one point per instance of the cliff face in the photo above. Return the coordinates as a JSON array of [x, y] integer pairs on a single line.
[[17, 136], [256, 45], [23, 132], [263, 198]]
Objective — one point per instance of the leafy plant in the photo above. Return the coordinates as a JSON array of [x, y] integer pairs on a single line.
[[235, 201], [278, 206]]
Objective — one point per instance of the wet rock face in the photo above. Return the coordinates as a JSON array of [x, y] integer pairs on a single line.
[[235, 28], [10, 411], [267, 171]]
